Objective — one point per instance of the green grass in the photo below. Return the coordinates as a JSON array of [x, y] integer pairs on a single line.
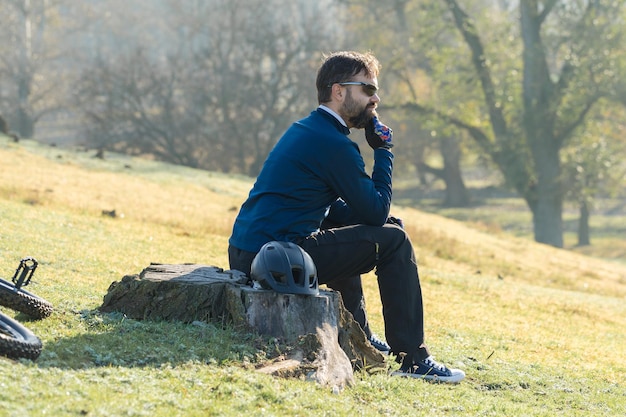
[[538, 331]]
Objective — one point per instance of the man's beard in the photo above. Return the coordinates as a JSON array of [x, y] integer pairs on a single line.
[[355, 118]]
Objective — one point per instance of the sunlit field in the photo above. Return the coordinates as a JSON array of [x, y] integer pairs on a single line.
[[538, 330]]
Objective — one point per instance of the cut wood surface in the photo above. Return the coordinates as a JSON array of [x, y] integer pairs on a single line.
[[330, 343]]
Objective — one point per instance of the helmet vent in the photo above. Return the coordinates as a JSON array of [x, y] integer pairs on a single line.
[[297, 274], [279, 277]]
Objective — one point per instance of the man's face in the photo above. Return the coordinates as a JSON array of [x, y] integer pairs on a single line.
[[359, 106]]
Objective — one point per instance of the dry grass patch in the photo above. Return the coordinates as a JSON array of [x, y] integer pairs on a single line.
[[538, 330], [194, 210], [437, 239]]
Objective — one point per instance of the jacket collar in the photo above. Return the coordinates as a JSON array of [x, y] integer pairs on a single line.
[[337, 121]]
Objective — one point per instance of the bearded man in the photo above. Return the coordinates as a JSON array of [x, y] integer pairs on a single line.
[[313, 191]]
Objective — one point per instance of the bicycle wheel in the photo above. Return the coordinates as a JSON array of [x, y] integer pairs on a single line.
[[16, 341], [23, 301]]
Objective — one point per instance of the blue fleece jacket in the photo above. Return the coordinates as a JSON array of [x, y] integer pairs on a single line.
[[314, 171]]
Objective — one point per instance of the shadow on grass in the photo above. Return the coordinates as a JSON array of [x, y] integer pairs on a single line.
[[114, 340]]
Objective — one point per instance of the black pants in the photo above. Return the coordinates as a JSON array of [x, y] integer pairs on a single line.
[[342, 254]]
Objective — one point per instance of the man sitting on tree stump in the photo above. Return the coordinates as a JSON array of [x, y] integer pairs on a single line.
[[313, 191]]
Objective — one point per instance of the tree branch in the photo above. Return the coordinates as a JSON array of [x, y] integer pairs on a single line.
[[547, 8], [477, 134], [437, 172], [470, 34], [567, 131]]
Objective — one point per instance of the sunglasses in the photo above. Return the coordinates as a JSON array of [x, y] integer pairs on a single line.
[[369, 89]]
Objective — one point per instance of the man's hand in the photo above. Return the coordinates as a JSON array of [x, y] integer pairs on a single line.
[[378, 135], [395, 220]]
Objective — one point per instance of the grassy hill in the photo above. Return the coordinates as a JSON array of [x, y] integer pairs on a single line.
[[539, 331]]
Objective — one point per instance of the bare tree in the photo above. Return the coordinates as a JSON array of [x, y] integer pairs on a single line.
[[34, 75], [236, 73], [140, 107]]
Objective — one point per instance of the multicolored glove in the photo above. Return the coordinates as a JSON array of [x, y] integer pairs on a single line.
[[395, 220], [378, 135]]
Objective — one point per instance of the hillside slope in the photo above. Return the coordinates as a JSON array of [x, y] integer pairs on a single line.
[[529, 323], [197, 203]]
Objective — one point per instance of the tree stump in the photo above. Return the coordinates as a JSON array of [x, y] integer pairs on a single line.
[[331, 345]]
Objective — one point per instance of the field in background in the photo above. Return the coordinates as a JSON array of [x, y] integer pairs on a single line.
[[496, 210], [538, 330]]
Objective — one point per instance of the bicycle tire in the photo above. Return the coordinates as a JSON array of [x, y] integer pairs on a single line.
[[23, 301], [16, 341]]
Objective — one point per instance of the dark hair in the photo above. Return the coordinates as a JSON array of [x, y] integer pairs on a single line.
[[342, 66]]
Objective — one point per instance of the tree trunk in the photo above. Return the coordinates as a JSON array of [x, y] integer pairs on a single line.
[[584, 238], [456, 192], [548, 208], [327, 342], [539, 117], [25, 125]]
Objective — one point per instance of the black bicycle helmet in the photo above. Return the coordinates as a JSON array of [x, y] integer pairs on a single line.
[[286, 268]]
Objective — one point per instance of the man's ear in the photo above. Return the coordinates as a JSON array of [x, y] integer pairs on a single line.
[[337, 92]]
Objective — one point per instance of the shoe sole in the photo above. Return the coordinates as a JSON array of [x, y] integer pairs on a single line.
[[453, 379]]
